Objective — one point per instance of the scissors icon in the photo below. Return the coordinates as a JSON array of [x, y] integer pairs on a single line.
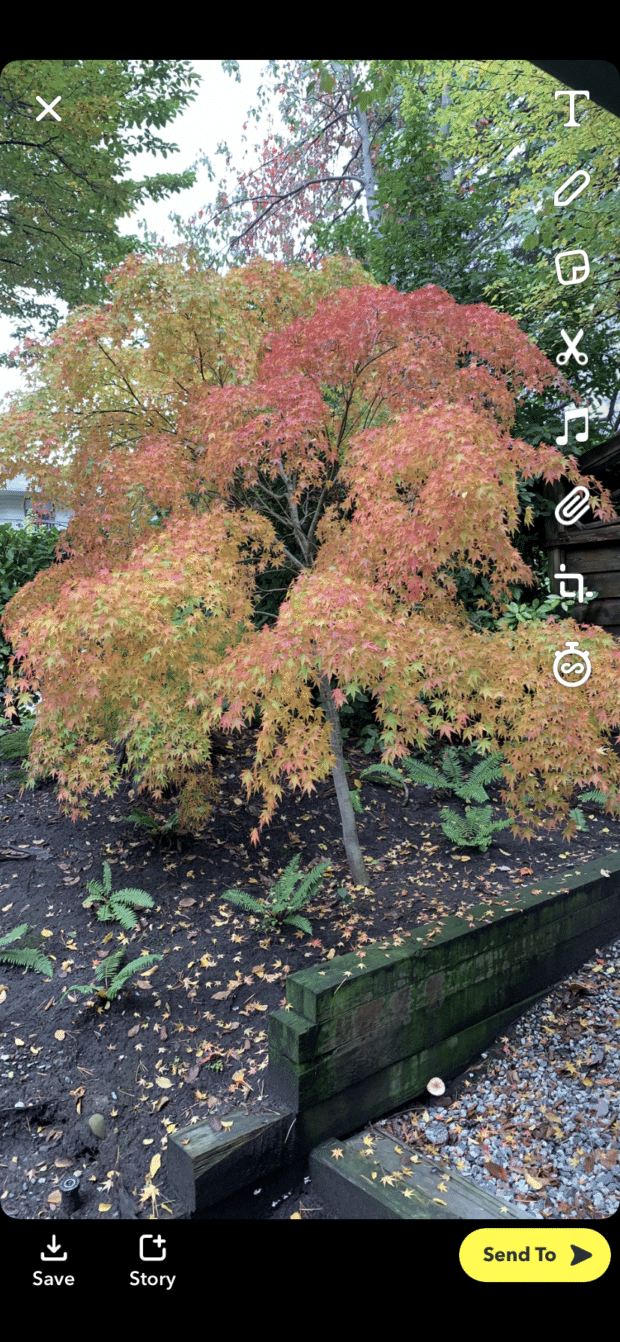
[[572, 349]]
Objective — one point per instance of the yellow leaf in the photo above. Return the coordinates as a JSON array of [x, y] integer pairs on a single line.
[[337, 1153], [103, 1206], [154, 1165], [60, 1035], [533, 1183], [45, 932], [163, 1082], [331, 954]]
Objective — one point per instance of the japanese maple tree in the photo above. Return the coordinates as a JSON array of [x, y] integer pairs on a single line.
[[353, 437]]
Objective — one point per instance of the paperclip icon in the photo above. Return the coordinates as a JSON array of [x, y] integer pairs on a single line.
[[573, 506]]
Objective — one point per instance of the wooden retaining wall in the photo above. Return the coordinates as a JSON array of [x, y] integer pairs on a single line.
[[362, 1034]]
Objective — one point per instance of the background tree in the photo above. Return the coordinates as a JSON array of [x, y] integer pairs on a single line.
[[370, 434], [299, 181], [345, 209], [423, 199], [495, 108], [59, 178]]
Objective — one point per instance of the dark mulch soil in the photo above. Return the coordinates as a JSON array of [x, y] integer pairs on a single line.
[[189, 1040]]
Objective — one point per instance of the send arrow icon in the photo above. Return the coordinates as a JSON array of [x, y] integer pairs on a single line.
[[579, 1255], [53, 1247]]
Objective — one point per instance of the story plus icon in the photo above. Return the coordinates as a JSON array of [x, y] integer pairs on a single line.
[[157, 1241]]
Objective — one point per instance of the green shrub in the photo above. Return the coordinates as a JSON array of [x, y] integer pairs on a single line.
[[23, 554], [14, 745], [532, 612], [472, 586]]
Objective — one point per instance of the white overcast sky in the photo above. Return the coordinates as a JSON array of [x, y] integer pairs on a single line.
[[216, 115]]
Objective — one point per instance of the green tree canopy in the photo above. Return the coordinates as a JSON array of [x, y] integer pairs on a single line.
[[498, 136], [60, 179]]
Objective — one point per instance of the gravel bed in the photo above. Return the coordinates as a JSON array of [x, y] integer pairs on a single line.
[[541, 1125]]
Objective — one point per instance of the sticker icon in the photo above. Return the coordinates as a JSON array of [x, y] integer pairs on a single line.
[[568, 668], [579, 273]]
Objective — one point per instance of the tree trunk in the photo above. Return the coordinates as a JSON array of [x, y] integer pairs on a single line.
[[347, 815]]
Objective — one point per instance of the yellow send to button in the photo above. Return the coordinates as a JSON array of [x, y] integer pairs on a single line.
[[542, 1254]]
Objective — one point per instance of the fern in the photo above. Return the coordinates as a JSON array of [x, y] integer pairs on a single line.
[[154, 824], [111, 965], [385, 773], [474, 830], [108, 970], [116, 904], [451, 780], [284, 899], [31, 958], [601, 799]]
